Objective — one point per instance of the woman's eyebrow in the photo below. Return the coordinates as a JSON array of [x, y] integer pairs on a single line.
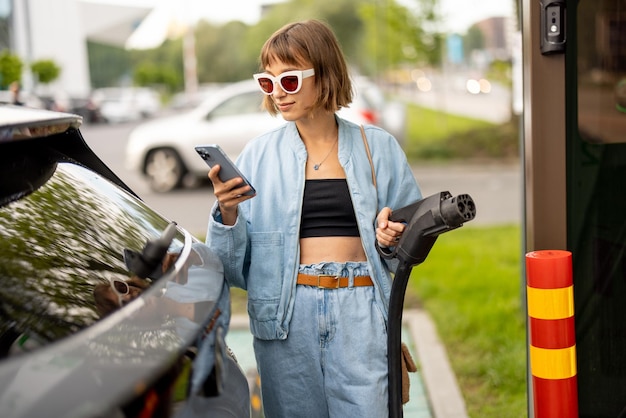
[[265, 70]]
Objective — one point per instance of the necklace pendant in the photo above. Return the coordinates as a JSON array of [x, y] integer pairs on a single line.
[[316, 167]]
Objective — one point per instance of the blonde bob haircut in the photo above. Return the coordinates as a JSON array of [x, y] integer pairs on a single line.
[[311, 44]]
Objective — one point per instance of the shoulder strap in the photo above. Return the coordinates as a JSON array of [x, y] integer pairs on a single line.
[[369, 155]]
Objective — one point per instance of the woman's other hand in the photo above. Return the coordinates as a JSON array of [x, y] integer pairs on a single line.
[[388, 233]]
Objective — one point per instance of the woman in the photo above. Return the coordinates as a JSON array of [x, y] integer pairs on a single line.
[[304, 246]]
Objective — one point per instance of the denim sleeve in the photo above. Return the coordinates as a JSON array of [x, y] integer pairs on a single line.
[[397, 185], [229, 243]]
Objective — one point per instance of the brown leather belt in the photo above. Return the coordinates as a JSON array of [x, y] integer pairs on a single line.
[[332, 282]]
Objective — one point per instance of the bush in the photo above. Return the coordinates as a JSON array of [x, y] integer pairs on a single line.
[[46, 71], [10, 68]]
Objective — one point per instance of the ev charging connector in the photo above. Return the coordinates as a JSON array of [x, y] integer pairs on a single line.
[[425, 220]]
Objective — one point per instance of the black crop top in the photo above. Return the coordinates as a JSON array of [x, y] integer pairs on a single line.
[[327, 210]]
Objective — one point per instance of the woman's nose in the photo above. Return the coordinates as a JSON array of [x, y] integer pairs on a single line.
[[278, 90]]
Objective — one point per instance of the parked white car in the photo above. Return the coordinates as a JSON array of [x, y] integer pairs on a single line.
[[27, 98], [124, 104], [163, 150]]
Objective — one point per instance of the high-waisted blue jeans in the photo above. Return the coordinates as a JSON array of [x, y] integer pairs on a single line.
[[334, 360]]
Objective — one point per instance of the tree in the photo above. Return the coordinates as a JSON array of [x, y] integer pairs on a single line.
[[162, 66], [341, 15], [45, 70], [374, 35], [474, 39], [150, 74], [397, 35], [224, 52], [10, 68]]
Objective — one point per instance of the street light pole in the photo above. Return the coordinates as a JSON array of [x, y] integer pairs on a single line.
[[189, 60]]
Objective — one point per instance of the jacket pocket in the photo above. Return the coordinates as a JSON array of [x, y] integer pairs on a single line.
[[265, 276]]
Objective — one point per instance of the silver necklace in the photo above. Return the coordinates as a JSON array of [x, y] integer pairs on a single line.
[[317, 166]]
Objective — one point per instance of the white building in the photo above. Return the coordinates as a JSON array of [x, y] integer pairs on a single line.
[[59, 30]]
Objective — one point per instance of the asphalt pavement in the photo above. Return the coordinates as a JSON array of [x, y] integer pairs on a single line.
[[495, 187]]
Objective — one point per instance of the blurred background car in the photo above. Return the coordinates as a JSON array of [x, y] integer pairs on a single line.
[[370, 104], [82, 106], [125, 104], [26, 97], [86, 108], [184, 100], [162, 150], [107, 309]]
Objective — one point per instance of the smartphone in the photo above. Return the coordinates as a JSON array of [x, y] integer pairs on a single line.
[[213, 154]]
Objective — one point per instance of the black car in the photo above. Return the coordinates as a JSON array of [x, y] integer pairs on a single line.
[[106, 307]]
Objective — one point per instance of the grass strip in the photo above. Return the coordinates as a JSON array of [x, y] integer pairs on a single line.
[[471, 286]]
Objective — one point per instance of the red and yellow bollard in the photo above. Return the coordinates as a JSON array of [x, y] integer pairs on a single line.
[[550, 298]]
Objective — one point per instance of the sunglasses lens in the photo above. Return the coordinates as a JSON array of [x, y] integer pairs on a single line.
[[289, 83], [266, 84], [120, 287]]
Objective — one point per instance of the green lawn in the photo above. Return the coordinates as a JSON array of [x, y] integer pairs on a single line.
[[436, 136], [471, 286]]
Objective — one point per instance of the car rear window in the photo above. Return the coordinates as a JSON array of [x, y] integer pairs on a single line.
[[63, 230]]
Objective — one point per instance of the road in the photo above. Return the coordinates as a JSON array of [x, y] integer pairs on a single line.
[[188, 207], [449, 95], [495, 187]]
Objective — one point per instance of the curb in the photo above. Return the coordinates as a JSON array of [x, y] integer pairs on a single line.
[[444, 395]]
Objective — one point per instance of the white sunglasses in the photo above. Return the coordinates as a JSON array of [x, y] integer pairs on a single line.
[[120, 288], [290, 81]]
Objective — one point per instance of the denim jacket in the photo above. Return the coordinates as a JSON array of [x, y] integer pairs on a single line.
[[261, 251]]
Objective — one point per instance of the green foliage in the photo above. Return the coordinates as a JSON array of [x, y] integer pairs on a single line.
[[434, 135], [162, 67], [108, 65], [222, 52], [114, 66], [500, 71], [474, 39], [471, 286], [341, 15], [396, 35], [10, 68], [374, 37], [46, 70], [150, 74]]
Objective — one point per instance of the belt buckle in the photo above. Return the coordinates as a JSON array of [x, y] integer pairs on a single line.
[[334, 276]]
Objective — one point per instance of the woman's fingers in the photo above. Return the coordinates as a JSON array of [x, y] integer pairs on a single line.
[[388, 233]]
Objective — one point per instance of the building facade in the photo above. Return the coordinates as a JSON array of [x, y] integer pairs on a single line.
[[59, 30]]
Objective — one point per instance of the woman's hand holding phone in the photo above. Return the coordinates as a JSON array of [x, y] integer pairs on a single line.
[[229, 185], [229, 194]]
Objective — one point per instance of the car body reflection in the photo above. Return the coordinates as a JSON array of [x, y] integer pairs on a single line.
[[67, 224]]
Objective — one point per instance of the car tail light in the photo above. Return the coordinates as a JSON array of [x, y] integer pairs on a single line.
[[369, 116], [158, 399]]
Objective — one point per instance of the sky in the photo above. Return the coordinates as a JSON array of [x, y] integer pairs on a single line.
[[458, 14]]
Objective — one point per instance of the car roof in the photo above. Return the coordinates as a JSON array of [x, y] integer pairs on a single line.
[[19, 122], [226, 91]]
